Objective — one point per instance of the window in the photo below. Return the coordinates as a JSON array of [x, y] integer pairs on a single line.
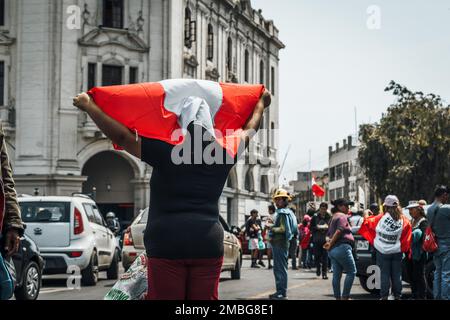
[[210, 52], [272, 134], [111, 75], [144, 217], [89, 212], [264, 185], [246, 66], [229, 54], [272, 80], [261, 72], [2, 83], [332, 176], [190, 28], [45, 212], [113, 13], [339, 172], [133, 75], [2, 12], [229, 209], [249, 181], [98, 217], [92, 75]]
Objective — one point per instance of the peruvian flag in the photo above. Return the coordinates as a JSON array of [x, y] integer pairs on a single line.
[[317, 190], [156, 110]]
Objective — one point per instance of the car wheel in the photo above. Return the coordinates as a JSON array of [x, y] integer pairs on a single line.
[[113, 271], [429, 278], [89, 276], [363, 282], [236, 273], [31, 283]]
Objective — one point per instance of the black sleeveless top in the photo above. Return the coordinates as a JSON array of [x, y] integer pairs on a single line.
[[183, 221]]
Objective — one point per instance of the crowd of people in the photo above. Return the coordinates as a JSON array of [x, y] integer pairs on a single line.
[[324, 240]]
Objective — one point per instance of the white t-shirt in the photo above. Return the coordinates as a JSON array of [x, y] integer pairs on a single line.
[[388, 234]]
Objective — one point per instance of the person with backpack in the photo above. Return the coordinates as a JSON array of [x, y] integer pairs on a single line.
[[390, 233], [439, 218], [305, 241], [418, 259], [281, 233]]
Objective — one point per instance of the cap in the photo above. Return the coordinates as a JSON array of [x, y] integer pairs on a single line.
[[413, 205], [391, 201]]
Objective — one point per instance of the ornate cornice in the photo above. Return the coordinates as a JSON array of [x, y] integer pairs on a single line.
[[101, 36]]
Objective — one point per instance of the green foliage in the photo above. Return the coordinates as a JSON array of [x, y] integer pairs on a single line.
[[408, 152]]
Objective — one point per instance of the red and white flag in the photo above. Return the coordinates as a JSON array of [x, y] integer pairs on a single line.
[[317, 190], [155, 110]]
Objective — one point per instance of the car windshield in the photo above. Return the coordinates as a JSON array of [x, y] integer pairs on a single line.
[[45, 212], [144, 217]]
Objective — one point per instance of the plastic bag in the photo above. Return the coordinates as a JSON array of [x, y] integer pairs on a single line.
[[132, 285]]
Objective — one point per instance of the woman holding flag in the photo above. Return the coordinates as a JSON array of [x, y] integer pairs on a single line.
[[390, 234], [143, 119]]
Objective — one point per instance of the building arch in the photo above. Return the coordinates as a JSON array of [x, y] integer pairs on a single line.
[[98, 146], [109, 180]]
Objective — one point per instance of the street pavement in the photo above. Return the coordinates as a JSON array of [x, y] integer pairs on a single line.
[[255, 284]]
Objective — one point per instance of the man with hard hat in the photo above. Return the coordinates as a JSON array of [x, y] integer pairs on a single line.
[[282, 231]]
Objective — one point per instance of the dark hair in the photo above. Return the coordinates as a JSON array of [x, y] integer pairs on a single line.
[[421, 211], [440, 191], [254, 211], [334, 210], [272, 207], [323, 205]]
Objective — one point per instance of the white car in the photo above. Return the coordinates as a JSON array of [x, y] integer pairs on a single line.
[[71, 235]]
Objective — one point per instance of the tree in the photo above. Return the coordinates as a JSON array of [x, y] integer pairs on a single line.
[[408, 152]]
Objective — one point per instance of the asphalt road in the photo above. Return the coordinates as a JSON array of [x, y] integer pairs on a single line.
[[255, 284]]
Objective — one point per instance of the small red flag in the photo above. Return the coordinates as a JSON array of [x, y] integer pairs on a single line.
[[317, 190]]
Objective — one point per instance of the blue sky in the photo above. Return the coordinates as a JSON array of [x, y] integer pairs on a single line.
[[333, 63]]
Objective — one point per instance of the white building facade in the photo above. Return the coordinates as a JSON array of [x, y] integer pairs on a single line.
[[52, 50], [346, 178]]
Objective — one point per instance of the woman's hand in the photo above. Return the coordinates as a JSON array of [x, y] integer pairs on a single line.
[[327, 246], [82, 101]]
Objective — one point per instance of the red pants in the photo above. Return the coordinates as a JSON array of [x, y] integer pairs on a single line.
[[194, 279]]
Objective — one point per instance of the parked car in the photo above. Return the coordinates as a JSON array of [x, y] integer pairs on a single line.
[[133, 245], [29, 265], [366, 256], [70, 231]]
